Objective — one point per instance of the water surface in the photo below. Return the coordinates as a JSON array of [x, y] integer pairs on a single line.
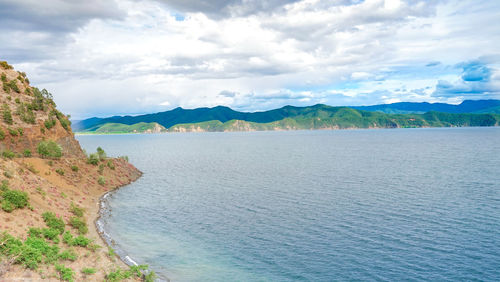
[[420, 204]]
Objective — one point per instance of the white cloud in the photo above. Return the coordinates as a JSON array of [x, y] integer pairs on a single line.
[[141, 56]]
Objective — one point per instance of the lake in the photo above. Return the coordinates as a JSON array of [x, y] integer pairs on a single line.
[[387, 204]]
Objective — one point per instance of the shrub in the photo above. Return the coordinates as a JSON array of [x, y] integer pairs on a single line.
[[60, 171], [7, 174], [101, 169], [65, 273], [79, 223], [80, 241], [67, 238], [49, 123], [88, 271], [21, 131], [53, 222], [27, 153], [5, 65], [65, 123], [111, 165], [35, 232], [2, 134], [8, 154], [74, 168], [93, 159], [49, 149], [68, 255], [118, 275], [101, 180], [51, 234], [7, 115], [7, 206], [12, 131], [18, 199], [124, 158], [101, 153], [76, 210]]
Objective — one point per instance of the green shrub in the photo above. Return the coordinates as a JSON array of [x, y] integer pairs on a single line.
[[53, 222], [68, 255], [7, 206], [49, 149], [12, 131], [30, 253], [27, 153], [80, 241], [67, 238], [111, 165], [65, 273], [51, 234], [35, 232], [76, 210], [101, 169], [18, 199], [118, 275], [101, 180], [60, 171], [101, 153], [49, 123], [79, 224], [124, 158], [2, 134], [7, 115], [8, 154], [65, 123], [93, 159], [88, 271], [21, 131], [74, 168]]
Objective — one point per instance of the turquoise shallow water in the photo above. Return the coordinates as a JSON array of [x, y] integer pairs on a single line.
[[405, 204]]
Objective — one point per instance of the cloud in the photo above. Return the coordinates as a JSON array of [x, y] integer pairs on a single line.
[[34, 30], [476, 81], [132, 56], [226, 8]]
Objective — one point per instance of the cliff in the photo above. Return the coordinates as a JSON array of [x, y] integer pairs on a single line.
[[50, 190]]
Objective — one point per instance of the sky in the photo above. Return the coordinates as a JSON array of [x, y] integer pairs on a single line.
[[117, 57]]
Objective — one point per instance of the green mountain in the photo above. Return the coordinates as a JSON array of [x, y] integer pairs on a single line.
[[177, 116], [140, 127], [294, 118]]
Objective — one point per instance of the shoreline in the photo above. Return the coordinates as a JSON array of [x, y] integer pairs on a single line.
[[279, 130], [99, 225]]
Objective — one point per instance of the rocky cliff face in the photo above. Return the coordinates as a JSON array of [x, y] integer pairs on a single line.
[[29, 116]]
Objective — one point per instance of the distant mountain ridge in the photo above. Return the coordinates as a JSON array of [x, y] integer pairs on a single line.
[[467, 106], [177, 116]]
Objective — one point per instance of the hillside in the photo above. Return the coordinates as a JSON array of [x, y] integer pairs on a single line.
[[50, 190], [287, 118], [223, 114]]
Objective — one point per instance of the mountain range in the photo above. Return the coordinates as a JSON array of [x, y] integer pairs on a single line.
[[220, 118]]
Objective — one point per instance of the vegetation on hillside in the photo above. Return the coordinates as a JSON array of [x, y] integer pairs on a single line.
[[325, 117]]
